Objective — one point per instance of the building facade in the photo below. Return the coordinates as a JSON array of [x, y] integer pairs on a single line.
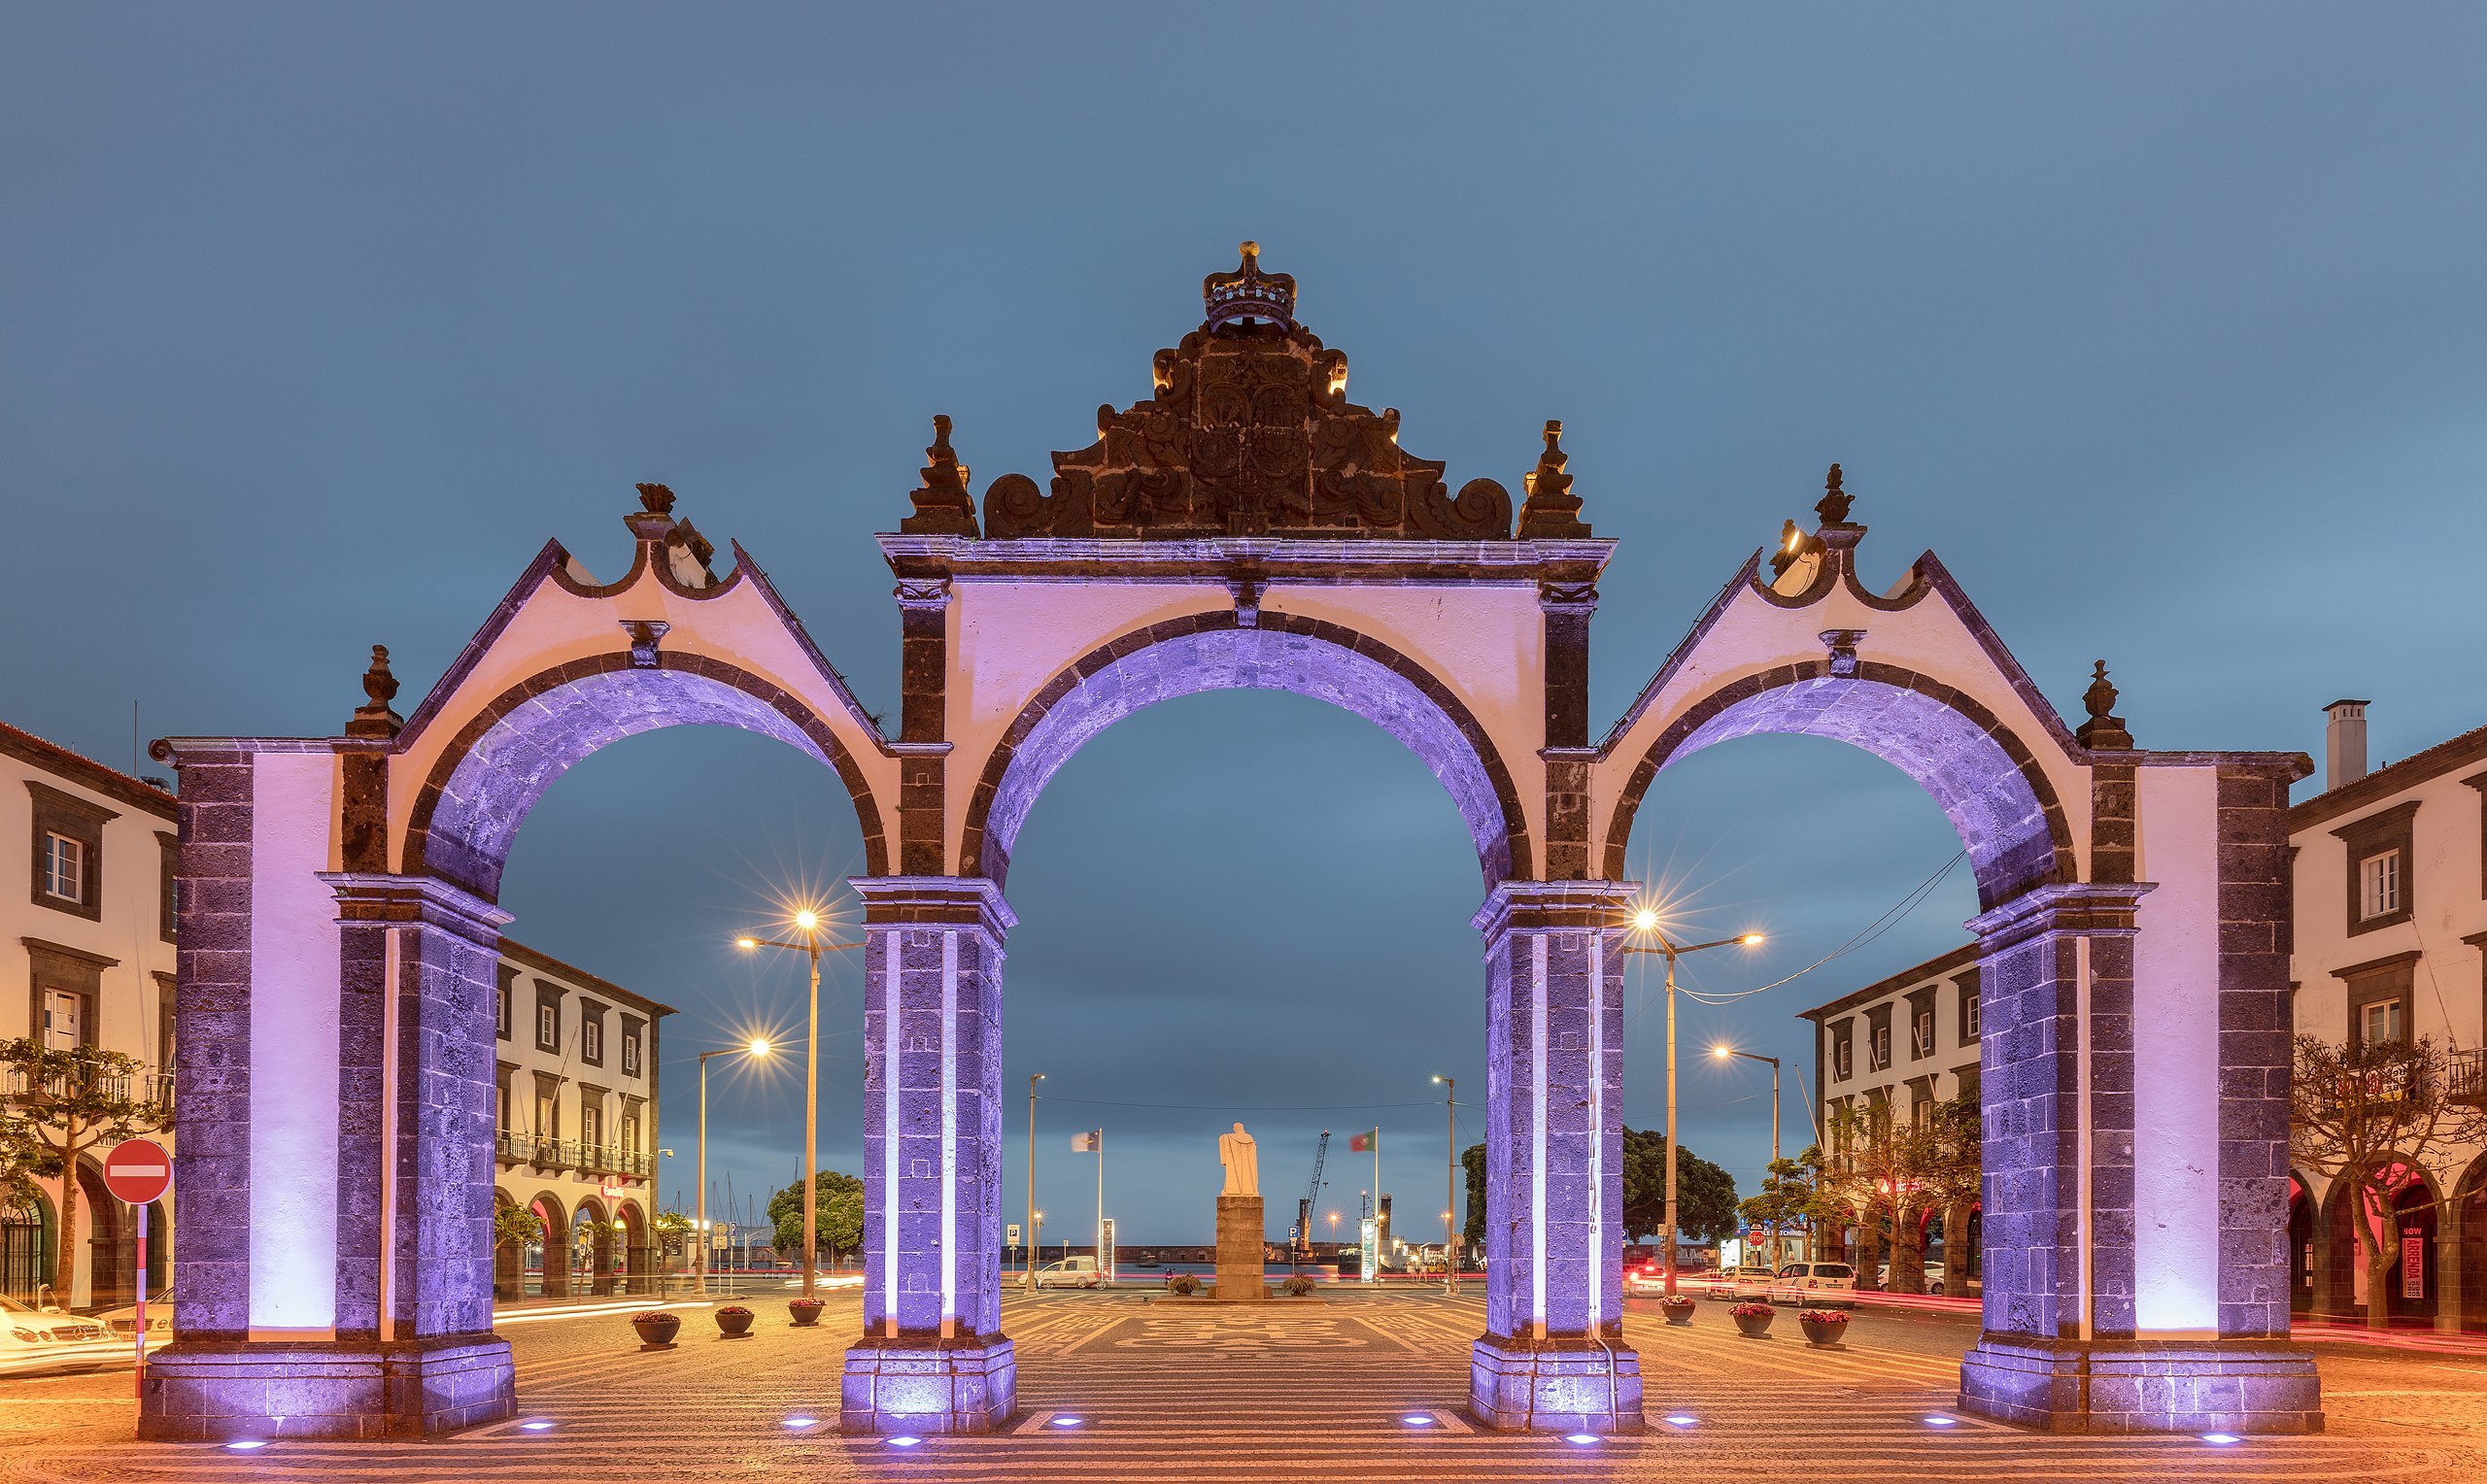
[[576, 1063], [2390, 893], [87, 962], [1889, 1052]]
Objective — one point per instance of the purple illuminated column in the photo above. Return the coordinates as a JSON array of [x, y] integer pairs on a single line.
[[1553, 1357], [933, 1358]]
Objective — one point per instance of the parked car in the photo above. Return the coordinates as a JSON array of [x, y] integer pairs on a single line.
[[1753, 1281], [1070, 1272], [47, 1339], [1933, 1278], [1805, 1282]]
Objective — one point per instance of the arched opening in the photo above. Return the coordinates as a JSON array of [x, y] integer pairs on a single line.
[[547, 1256], [2302, 1247], [25, 1247], [2413, 1228], [509, 1258], [2468, 1246]]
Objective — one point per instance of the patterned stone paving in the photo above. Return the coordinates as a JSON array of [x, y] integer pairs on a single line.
[[1185, 1392]]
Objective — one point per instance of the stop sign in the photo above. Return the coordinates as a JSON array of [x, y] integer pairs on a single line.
[[138, 1172]]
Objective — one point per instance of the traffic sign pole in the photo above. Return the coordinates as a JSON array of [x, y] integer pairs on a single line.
[[140, 1365], [137, 1172]]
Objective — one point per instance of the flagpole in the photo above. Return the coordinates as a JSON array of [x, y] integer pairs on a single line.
[[1101, 1205]]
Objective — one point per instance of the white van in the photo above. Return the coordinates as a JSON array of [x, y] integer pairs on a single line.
[[1829, 1285], [1070, 1272]]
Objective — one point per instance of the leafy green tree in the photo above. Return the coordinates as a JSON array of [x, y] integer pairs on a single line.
[[515, 1225], [72, 1101], [1705, 1193], [674, 1229], [837, 1214], [1472, 1161], [1785, 1203]]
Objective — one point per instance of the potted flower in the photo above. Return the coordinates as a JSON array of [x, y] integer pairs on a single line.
[[1753, 1320], [1822, 1326], [657, 1329], [806, 1312], [735, 1321], [1677, 1307]]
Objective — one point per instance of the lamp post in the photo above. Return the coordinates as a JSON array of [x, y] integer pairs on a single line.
[[755, 1047], [1035, 1216], [1450, 1185], [807, 923], [1726, 1053], [1645, 921]]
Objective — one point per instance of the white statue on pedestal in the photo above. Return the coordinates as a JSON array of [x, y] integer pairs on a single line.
[[1242, 1162]]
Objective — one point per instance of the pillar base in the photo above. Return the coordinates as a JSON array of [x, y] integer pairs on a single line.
[[1571, 1385], [2143, 1386], [220, 1391], [1240, 1271], [928, 1386]]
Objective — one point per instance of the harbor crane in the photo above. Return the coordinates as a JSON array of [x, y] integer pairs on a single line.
[[1303, 1243]]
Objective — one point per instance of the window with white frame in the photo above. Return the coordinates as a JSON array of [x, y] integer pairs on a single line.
[[592, 1040], [630, 1052], [1881, 1047], [2379, 884], [548, 1026], [64, 866], [2382, 1022], [1925, 1034], [1969, 1014]]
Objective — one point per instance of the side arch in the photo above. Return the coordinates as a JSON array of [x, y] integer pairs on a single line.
[[1987, 780], [500, 762], [1282, 652]]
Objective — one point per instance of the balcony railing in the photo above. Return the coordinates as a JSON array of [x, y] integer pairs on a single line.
[[2466, 1079], [571, 1154], [154, 1089]]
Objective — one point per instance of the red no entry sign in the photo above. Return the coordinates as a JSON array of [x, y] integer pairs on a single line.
[[138, 1172]]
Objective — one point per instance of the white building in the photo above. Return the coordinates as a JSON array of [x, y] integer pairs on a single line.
[[577, 1065], [2390, 897], [87, 867]]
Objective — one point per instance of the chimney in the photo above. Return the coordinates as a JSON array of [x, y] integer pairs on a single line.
[[2344, 744]]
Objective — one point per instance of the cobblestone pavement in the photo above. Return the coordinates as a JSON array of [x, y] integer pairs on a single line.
[[1172, 1392]]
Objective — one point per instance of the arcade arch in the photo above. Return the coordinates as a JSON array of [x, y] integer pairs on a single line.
[[1244, 525]]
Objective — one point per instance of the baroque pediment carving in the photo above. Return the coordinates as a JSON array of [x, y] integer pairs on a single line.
[[1249, 432]]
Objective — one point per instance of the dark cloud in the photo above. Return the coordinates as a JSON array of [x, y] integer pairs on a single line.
[[2160, 323]]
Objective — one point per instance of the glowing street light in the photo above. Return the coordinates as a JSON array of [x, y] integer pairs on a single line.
[[1644, 922], [1450, 1185], [1730, 1054], [807, 923], [755, 1047]]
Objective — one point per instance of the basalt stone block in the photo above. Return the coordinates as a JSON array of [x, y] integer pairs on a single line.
[[1240, 1250], [2143, 1386], [928, 1386], [220, 1391], [1565, 1385]]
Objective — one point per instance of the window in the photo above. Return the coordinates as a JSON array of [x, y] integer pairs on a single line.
[[1882, 1045], [629, 1133], [168, 885], [2378, 867], [592, 1040], [1922, 1042], [1968, 1015], [590, 1121], [2381, 1023], [64, 1019], [630, 1051], [1842, 1064], [548, 1026], [64, 868], [500, 1017], [68, 851], [548, 1120], [2379, 884], [67, 984]]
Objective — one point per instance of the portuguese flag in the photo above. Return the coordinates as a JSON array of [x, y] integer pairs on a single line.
[[1365, 1143]]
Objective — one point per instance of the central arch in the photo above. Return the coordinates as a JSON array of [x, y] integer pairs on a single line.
[[1308, 656]]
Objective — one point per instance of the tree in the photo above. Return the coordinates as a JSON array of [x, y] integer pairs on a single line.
[[515, 1225], [1949, 1158], [1705, 1193], [674, 1229], [2374, 1113], [837, 1214], [1472, 1161], [73, 1101], [1785, 1202]]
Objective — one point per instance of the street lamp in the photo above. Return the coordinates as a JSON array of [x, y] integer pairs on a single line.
[[1645, 921], [807, 923], [1450, 1185], [755, 1048], [1036, 1218], [1728, 1053]]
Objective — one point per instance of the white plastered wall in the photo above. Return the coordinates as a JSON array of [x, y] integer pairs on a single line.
[[2177, 1054], [295, 948]]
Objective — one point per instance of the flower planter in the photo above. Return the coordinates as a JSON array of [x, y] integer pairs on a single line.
[[657, 1329], [1678, 1313], [1823, 1333], [1753, 1320], [806, 1312], [734, 1321]]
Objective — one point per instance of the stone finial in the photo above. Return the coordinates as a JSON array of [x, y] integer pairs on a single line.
[[655, 500], [654, 517], [943, 505], [1833, 507], [2104, 731], [374, 718], [1551, 512]]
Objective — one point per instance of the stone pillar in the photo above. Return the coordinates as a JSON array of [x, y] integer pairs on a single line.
[[1553, 1357], [933, 1357], [1240, 1250], [2062, 1349]]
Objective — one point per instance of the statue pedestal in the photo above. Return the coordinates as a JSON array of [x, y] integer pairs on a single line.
[[1240, 1250]]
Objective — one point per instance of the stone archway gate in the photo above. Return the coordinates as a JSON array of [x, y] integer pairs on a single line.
[[1245, 525]]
